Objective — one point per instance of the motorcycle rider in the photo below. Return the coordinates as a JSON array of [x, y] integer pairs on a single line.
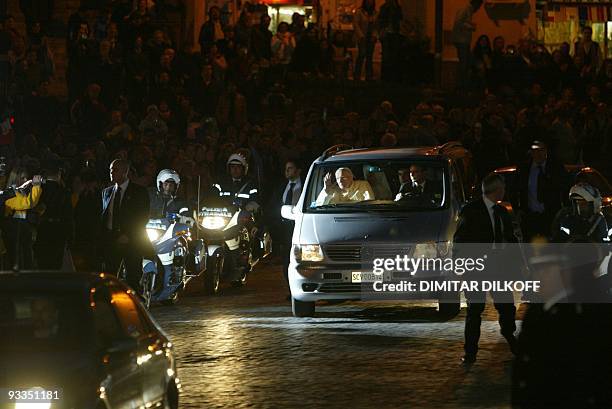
[[163, 199], [583, 219], [243, 190], [238, 185]]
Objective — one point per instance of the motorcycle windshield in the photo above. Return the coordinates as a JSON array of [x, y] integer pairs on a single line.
[[223, 204]]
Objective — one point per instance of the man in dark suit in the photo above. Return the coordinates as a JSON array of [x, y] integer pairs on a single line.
[[415, 185], [543, 185], [56, 223], [125, 212], [287, 193], [484, 229]]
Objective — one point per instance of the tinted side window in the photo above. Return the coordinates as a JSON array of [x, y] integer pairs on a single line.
[[106, 323], [457, 184], [127, 311]]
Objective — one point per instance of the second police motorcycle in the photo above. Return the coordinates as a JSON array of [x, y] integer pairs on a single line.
[[229, 219]]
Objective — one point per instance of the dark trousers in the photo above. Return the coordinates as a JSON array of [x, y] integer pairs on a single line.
[[17, 235], [366, 51], [464, 54], [115, 253], [391, 58], [50, 246], [534, 224], [504, 304]]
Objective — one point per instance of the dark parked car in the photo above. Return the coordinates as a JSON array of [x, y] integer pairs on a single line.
[[86, 337]]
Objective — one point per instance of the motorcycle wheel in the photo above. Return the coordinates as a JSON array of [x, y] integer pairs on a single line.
[[212, 279], [170, 301], [245, 250]]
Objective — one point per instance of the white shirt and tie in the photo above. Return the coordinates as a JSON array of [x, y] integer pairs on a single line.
[[296, 190], [111, 203]]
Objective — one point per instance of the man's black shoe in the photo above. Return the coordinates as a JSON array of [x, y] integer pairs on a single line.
[[468, 359]]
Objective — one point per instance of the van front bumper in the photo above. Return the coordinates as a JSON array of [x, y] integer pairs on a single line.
[[314, 282]]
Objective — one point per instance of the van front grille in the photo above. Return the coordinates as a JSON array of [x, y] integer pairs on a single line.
[[357, 253], [343, 252], [390, 251]]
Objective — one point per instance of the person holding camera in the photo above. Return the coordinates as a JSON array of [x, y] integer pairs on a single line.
[[17, 231]]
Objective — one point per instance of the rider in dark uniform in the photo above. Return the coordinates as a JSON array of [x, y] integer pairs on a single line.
[[163, 199], [583, 219], [238, 185], [242, 190]]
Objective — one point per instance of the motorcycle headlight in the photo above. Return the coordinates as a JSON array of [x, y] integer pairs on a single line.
[[214, 222], [154, 234], [308, 252]]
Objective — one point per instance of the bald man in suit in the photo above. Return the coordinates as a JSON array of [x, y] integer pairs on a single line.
[[125, 212], [486, 230]]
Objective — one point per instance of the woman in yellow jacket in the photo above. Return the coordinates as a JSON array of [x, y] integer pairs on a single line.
[[17, 231]]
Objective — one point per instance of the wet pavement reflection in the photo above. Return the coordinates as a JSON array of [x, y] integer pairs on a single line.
[[243, 348]]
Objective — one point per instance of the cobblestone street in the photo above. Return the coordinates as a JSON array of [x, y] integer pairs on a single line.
[[243, 348]]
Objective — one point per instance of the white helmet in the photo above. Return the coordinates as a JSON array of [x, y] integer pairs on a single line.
[[165, 175], [588, 193], [238, 159]]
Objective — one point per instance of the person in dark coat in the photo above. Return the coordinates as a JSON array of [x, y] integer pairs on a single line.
[[125, 213], [87, 208], [286, 193], [416, 185], [261, 41], [485, 230], [389, 24], [212, 31], [55, 228], [564, 355], [543, 185]]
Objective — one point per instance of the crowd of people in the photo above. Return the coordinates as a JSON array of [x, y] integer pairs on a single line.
[[134, 94]]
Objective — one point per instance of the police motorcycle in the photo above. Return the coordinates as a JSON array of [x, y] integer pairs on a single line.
[[584, 221], [228, 221], [179, 254]]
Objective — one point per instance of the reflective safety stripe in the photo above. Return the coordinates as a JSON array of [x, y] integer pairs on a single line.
[[216, 185], [226, 193], [243, 195], [252, 191]]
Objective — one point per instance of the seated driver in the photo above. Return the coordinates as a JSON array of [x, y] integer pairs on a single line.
[[415, 184], [346, 190]]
